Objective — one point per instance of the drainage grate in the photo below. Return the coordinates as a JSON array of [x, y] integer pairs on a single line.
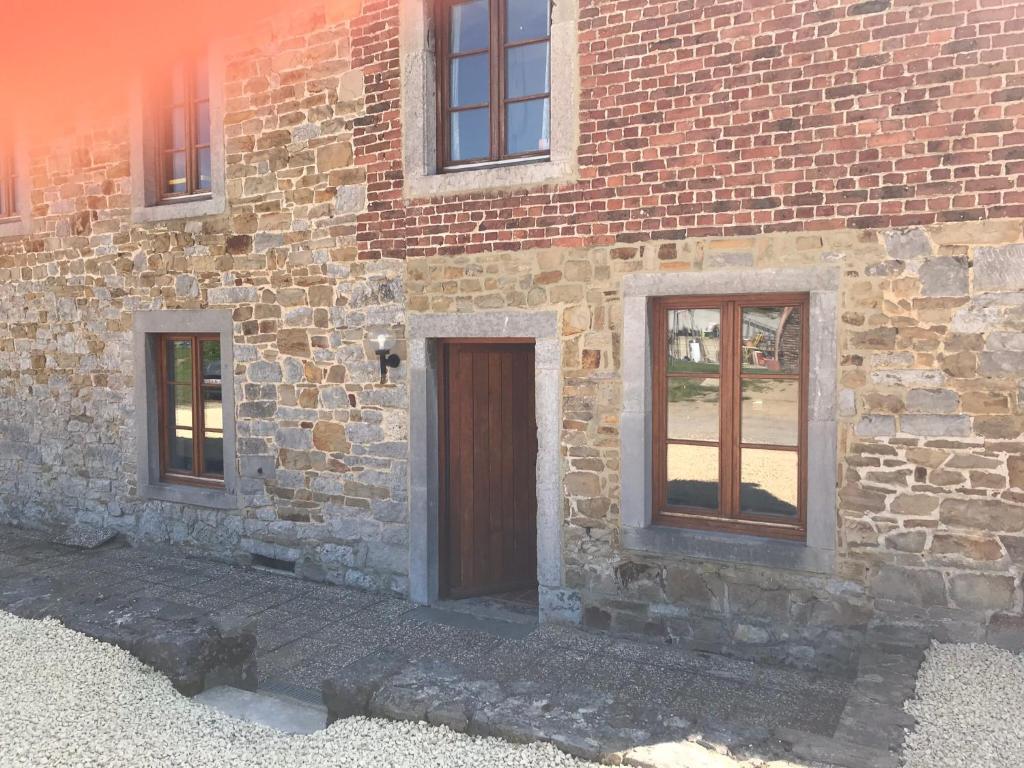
[[273, 564], [292, 691]]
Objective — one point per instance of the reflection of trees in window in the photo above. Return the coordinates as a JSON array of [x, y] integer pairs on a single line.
[[729, 413]]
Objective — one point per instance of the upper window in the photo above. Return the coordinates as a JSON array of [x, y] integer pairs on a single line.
[[730, 381], [183, 132], [8, 183], [494, 81], [191, 409]]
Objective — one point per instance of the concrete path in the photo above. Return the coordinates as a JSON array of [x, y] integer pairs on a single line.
[[309, 633]]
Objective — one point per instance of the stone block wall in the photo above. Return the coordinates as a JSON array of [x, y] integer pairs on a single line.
[[882, 138], [321, 446]]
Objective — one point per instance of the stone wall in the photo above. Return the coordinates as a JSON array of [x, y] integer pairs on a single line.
[[318, 250], [321, 445], [931, 408]]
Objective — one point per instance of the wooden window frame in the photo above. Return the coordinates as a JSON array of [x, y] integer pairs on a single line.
[[8, 183], [497, 53], [191, 147], [727, 518], [164, 382]]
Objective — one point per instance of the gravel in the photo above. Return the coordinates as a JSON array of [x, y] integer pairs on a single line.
[[968, 709], [69, 700]]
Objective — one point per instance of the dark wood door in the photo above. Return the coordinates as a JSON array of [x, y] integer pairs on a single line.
[[488, 468]]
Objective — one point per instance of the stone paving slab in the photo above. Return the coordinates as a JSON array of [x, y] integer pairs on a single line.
[[188, 646], [590, 693]]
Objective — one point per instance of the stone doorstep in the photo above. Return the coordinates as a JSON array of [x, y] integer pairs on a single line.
[[580, 721], [183, 643]]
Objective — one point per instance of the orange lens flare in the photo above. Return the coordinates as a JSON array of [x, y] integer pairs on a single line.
[[69, 64]]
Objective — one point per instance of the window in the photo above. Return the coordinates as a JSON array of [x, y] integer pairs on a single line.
[[191, 409], [8, 183], [183, 132], [494, 81], [730, 415]]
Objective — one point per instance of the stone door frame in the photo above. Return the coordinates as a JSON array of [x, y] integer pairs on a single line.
[[423, 332]]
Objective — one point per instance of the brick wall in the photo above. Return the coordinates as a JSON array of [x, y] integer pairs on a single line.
[[709, 119]]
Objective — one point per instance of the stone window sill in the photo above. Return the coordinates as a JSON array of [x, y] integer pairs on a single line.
[[186, 209], [457, 181], [196, 496], [737, 548], [14, 227]]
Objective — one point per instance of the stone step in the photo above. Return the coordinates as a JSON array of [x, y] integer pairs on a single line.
[[282, 713]]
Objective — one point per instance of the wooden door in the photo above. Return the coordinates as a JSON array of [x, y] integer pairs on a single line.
[[488, 468]]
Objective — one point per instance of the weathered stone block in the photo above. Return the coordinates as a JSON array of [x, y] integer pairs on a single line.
[[999, 268], [337, 154], [915, 505], [1015, 468], [330, 437], [968, 547], [264, 371], [294, 342], [874, 425], [907, 244], [946, 276], [932, 425], [982, 514], [982, 592], [1001, 363], [350, 199], [909, 585], [932, 401]]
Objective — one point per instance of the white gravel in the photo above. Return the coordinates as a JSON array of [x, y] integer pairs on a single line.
[[970, 709], [68, 700]]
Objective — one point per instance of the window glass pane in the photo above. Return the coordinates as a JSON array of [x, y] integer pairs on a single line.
[[201, 80], [693, 476], [693, 409], [209, 352], [471, 134], [179, 360], [179, 427], [770, 412], [179, 458], [771, 339], [470, 80], [526, 126], [203, 166], [213, 455], [174, 170], [694, 342], [203, 122], [213, 410], [175, 136], [768, 482], [6, 209], [526, 19], [527, 70], [470, 28], [176, 90]]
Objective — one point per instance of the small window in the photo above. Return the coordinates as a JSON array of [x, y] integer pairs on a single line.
[[730, 381], [191, 409], [8, 183], [494, 81], [183, 132]]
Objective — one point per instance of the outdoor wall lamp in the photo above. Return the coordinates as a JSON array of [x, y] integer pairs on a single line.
[[383, 344]]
